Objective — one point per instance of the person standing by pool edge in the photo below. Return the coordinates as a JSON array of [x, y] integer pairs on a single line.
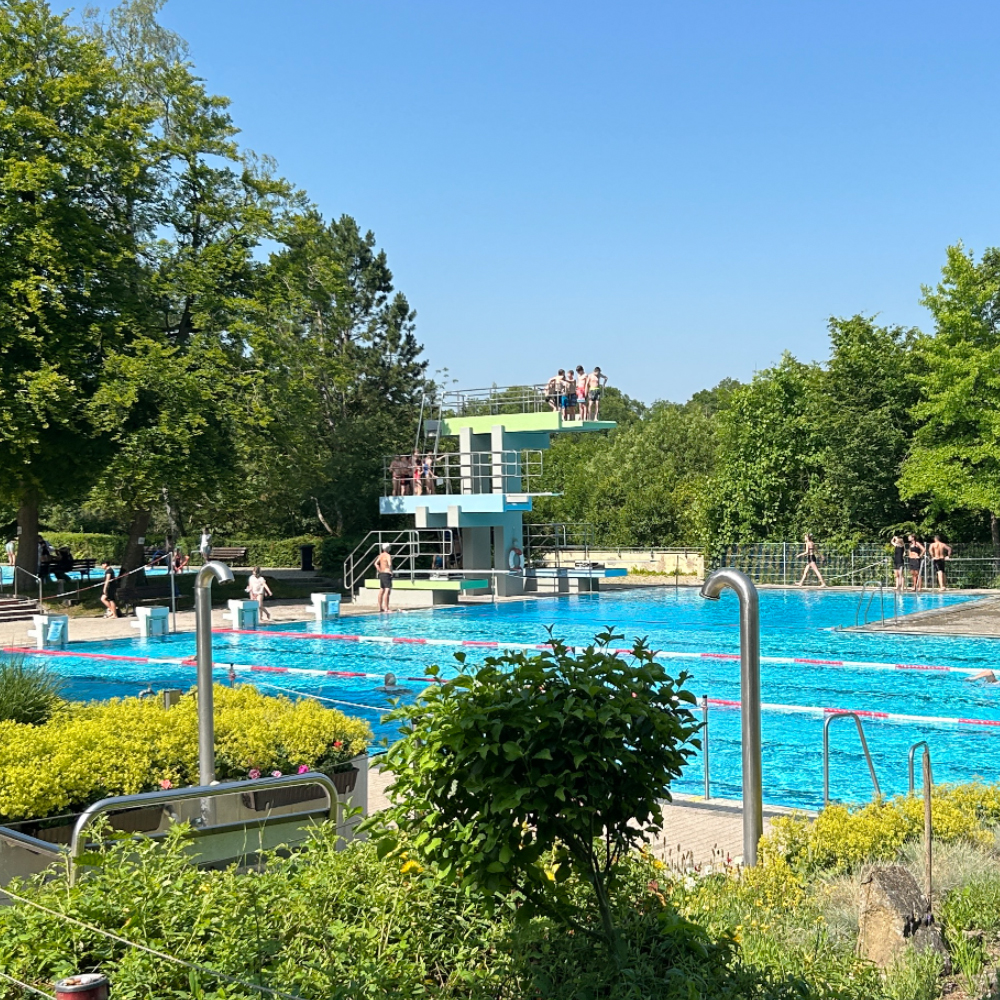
[[916, 559], [383, 566], [257, 588], [10, 549], [898, 560], [812, 562], [109, 590], [940, 553], [205, 545]]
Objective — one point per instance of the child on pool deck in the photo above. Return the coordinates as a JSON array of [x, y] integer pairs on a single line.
[[257, 588]]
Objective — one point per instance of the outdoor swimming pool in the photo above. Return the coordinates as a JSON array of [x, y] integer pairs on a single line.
[[866, 672]]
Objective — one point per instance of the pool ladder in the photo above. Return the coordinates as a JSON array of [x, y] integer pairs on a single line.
[[868, 757], [877, 589]]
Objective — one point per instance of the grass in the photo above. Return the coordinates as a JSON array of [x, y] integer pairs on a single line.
[[29, 692]]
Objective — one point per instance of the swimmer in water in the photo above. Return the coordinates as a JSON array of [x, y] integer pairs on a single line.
[[986, 676], [390, 686]]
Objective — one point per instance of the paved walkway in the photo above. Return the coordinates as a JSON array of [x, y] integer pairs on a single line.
[[695, 832], [976, 618]]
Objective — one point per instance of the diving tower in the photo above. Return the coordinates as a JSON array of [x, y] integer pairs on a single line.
[[468, 499]]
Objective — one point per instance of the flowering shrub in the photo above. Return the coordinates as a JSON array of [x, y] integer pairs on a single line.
[[130, 745], [840, 838]]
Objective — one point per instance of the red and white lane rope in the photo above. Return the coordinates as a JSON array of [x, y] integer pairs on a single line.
[[663, 653], [252, 668]]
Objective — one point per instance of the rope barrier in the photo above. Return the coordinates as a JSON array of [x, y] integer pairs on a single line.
[[194, 966], [865, 714], [27, 986], [333, 701]]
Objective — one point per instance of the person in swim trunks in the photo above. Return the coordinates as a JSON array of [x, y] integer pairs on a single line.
[[581, 392], [812, 562], [383, 566], [898, 560], [569, 395], [554, 391], [595, 386], [916, 558], [940, 553]]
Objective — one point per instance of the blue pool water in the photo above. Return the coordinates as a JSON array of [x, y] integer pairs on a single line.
[[794, 624]]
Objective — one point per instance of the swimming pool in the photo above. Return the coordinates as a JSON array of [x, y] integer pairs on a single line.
[[808, 665]]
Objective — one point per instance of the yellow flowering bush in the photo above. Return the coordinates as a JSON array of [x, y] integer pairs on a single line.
[[128, 745], [841, 837]]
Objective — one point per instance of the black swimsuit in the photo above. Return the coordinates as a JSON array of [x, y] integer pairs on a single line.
[[897, 557]]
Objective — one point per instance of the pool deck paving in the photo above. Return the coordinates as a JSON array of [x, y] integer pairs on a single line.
[[695, 832], [977, 618]]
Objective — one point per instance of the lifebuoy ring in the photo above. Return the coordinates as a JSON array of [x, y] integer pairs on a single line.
[[515, 560]]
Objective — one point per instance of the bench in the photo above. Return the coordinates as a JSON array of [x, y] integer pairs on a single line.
[[129, 594], [230, 554], [84, 567]]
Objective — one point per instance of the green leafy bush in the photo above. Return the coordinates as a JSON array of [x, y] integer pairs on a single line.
[[90, 546], [132, 745], [509, 773], [332, 552], [841, 837], [29, 692], [328, 924]]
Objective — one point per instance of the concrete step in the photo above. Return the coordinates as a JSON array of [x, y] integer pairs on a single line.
[[15, 609]]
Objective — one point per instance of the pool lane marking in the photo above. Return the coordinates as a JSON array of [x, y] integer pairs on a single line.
[[717, 702], [666, 654]]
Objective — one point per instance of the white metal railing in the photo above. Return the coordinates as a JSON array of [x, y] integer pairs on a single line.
[[563, 541], [495, 400], [407, 546], [463, 473]]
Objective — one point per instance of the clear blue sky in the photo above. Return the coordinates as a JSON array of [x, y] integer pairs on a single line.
[[676, 192]]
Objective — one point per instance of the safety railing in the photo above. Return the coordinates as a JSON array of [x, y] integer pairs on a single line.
[[872, 589], [408, 547], [826, 753], [562, 543], [463, 473], [910, 761], [495, 400]]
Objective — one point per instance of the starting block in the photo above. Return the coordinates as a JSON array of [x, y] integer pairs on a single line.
[[152, 621], [325, 606], [243, 614], [50, 631]]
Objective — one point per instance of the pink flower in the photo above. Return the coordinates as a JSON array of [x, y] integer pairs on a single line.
[[303, 768], [254, 773], [166, 783], [275, 774], [337, 744]]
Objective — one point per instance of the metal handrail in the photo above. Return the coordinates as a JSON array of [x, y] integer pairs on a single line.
[[462, 473], [557, 537], [118, 803], [407, 545], [864, 590], [912, 755], [826, 754], [495, 400], [753, 796]]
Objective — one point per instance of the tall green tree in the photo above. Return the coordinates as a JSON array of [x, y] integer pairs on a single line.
[[72, 169], [954, 460]]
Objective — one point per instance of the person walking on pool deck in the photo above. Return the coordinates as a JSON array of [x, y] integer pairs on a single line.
[[205, 545], [383, 566], [940, 553], [916, 558], [898, 560], [812, 562], [109, 590], [258, 589]]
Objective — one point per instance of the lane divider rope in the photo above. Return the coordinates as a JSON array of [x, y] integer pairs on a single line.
[[666, 654]]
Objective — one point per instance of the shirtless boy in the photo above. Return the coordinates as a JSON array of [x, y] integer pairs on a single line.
[[595, 386], [554, 391], [383, 566], [940, 553], [581, 391]]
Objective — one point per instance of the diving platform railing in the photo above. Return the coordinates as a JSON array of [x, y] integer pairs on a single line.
[[463, 473], [557, 543], [497, 400], [407, 546]]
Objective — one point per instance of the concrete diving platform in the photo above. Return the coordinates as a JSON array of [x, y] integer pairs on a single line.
[[423, 593]]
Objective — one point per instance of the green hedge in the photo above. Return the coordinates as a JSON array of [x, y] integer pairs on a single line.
[[89, 546]]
